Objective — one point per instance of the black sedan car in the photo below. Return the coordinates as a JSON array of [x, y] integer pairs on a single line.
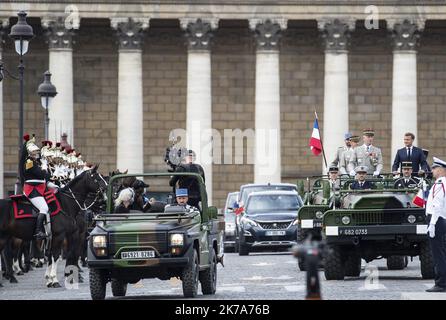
[[269, 221]]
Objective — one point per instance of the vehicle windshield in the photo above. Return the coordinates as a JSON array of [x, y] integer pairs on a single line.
[[248, 190], [268, 203], [232, 199]]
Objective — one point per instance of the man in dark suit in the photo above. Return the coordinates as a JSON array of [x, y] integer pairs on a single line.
[[361, 183], [410, 153]]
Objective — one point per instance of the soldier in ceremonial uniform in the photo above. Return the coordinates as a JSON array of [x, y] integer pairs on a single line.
[[347, 155], [35, 182], [361, 183], [182, 199], [333, 178], [436, 216], [406, 181], [367, 155], [341, 150]]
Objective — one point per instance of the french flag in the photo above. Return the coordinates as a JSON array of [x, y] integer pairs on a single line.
[[315, 140], [419, 199]]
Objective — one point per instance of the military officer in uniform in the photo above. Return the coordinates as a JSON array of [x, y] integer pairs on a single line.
[[341, 150], [436, 216], [361, 183], [182, 199], [347, 155], [406, 181], [367, 155], [333, 178]]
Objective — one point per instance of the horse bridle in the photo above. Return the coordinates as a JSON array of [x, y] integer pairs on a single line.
[[100, 191]]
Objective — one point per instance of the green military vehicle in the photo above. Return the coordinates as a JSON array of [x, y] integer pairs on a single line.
[[316, 202], [164, 243], [373, 224]]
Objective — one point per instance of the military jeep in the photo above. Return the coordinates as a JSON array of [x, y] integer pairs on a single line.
[[373, 224], [163, 243], [316, 202]]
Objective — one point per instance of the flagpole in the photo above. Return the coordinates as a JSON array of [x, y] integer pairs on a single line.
[[320, 137]]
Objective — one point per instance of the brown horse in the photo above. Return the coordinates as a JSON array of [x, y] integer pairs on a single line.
[[63, 225]]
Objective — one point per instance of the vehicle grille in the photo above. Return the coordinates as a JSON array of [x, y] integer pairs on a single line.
[[380, 217], [157, 240], [275, 225]]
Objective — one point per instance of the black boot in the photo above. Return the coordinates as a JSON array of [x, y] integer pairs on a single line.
[[40, 232]]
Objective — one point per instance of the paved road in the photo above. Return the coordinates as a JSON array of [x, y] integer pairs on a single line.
[[257, 276]]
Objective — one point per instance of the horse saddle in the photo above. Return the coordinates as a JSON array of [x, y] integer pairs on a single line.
[[23, 208]]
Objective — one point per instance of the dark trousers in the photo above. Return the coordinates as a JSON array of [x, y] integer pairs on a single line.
[[438, 245]]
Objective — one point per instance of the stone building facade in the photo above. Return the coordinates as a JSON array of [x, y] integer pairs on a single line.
[[138, 72]]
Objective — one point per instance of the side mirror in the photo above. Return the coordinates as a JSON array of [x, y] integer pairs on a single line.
[[213, 212]]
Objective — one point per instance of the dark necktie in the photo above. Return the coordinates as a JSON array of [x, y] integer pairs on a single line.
[[361, 184], [406, 181], [408, 153]]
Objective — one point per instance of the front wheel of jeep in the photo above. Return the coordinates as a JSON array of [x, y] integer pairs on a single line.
[[208, 277], [334, 266], [98, 284], [396, 262], [119, 288], [426, 261], [190, 277]]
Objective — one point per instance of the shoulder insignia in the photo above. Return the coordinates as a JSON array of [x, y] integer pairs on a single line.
[[29, 164]]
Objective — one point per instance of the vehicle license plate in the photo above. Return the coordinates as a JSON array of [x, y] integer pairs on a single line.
[[353, 232], [138, 254], [275, 233]]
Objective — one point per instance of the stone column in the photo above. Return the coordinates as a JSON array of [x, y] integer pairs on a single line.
[[130, 92], [267, 163], [60, 43], [405, 36], [3, 34], [336, 115], [199, 97]]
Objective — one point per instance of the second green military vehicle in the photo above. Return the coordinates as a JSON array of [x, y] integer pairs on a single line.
[[309, 221], [170, 242], [373, 224]]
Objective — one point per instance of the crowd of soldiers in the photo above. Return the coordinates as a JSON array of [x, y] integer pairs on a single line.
[[366, 159]]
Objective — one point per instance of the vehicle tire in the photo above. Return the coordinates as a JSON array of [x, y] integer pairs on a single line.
[[98, 284], [426, 261], [406, 261], [242, 249], [334, 266], [119, 288], [208, 277], [190, 277], [396, 262], [353, 265]]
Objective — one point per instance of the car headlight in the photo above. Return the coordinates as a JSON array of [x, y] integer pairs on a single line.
[[411, 218], [346, 220], [177, 239], [249, 222], [100, 241], [319, 214]]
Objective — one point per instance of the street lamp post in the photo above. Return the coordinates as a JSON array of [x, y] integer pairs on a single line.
[[21, 33], [47, 91]]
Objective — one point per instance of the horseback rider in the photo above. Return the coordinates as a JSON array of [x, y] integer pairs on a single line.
[[35, 177]]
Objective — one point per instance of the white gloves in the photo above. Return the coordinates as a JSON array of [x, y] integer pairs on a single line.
[[44, 163], [376, 173], [431, 230], [352, 173]]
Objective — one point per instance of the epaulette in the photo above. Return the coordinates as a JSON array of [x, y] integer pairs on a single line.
[[29, 164]]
